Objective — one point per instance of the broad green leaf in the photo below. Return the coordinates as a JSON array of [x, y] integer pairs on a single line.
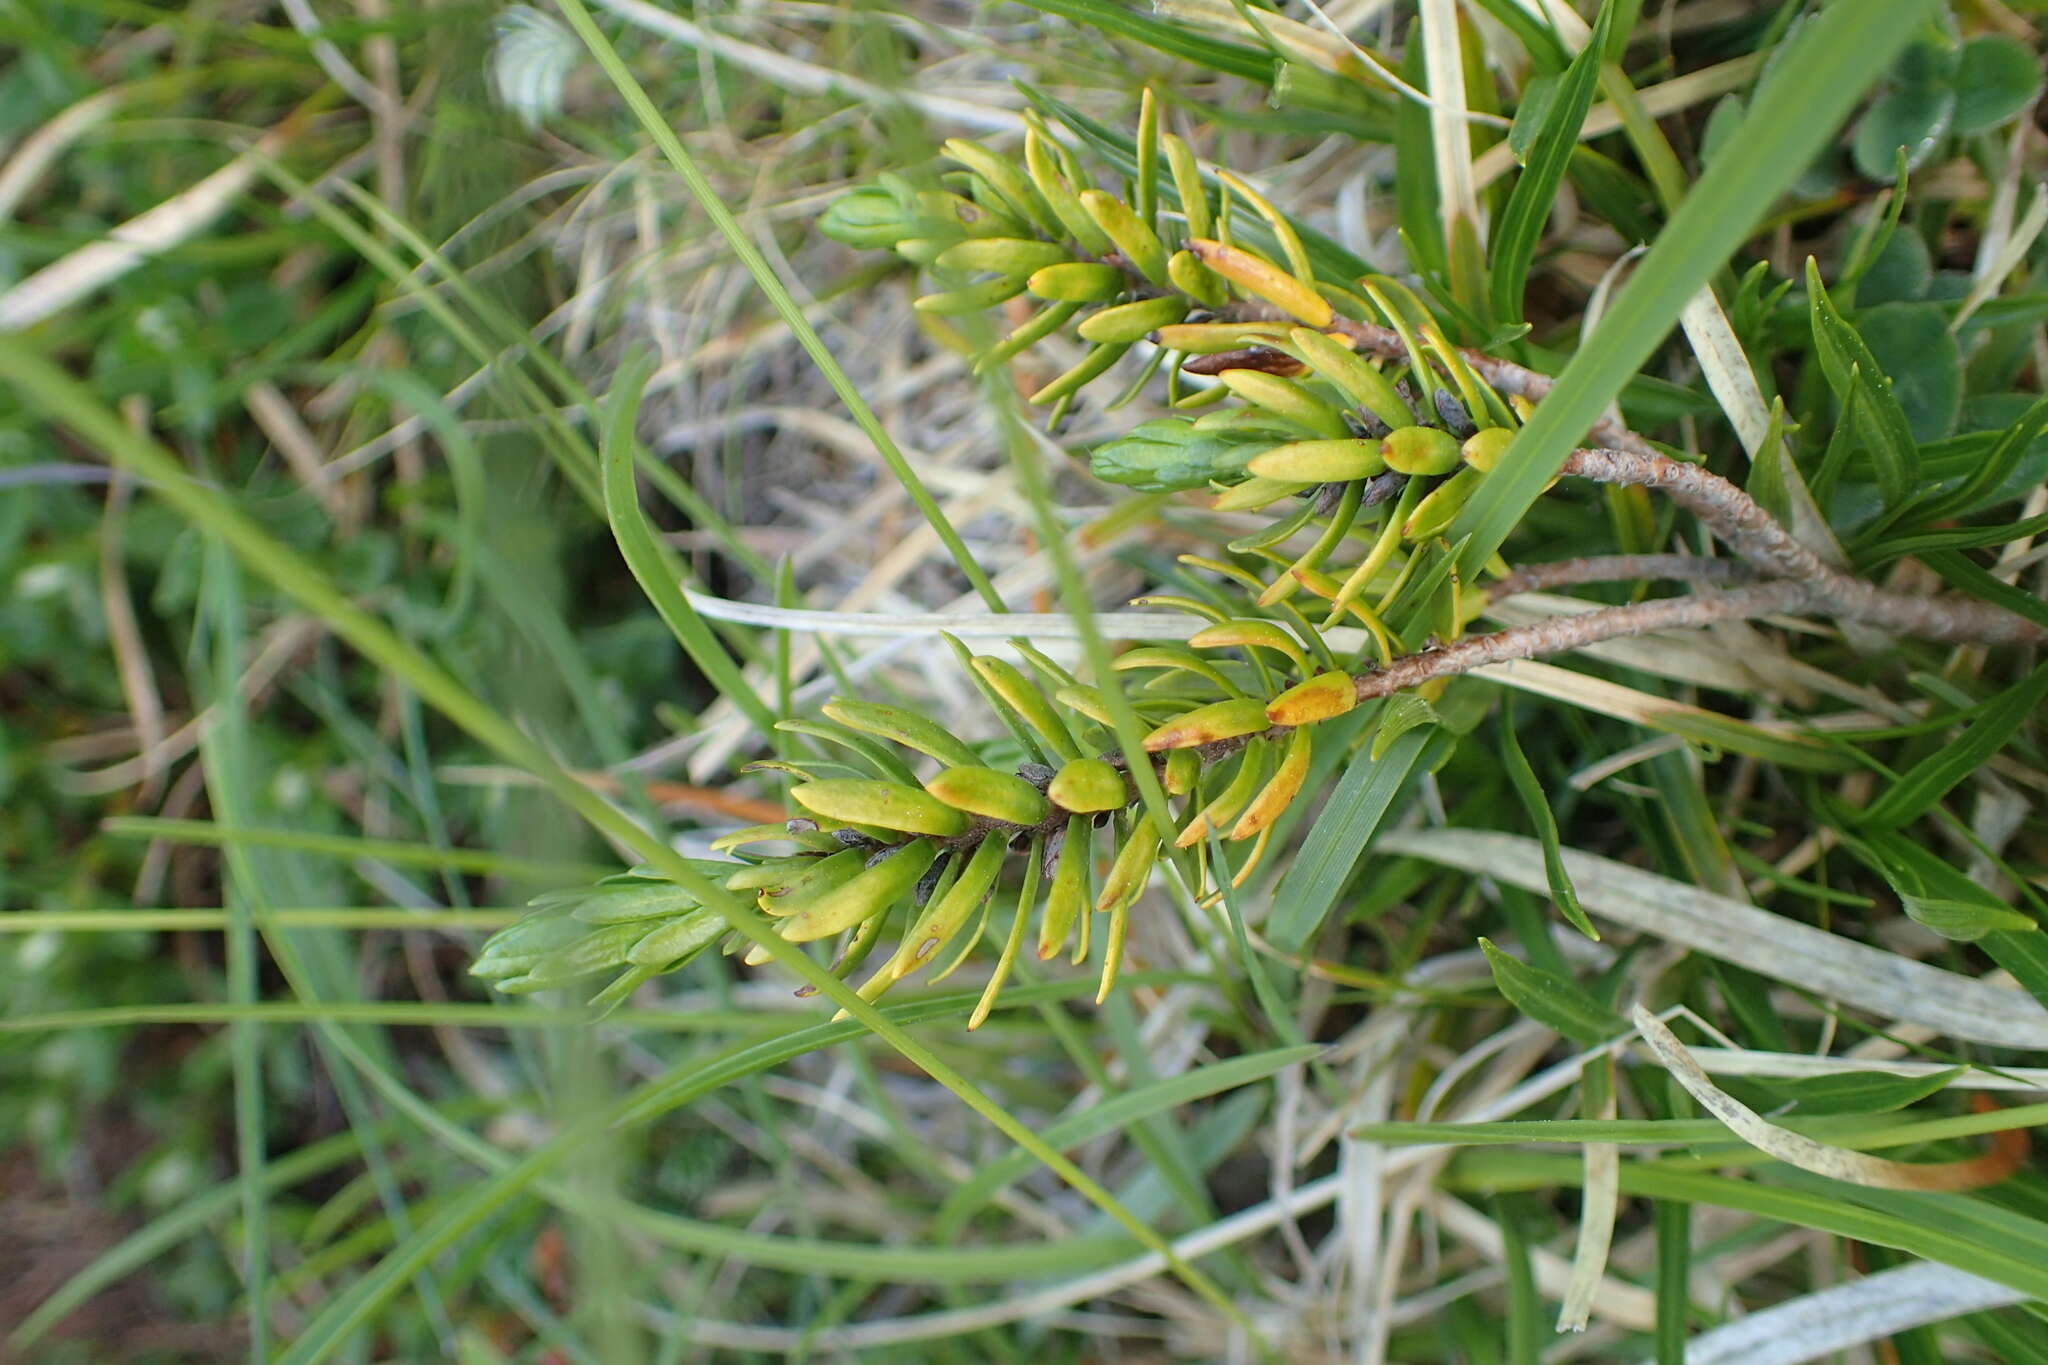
[[1899, 271], [1964, 918], [1912, 344], [1552, 1000], [1915, 118], [1932, 892], [1996, 78], [1817, 78]]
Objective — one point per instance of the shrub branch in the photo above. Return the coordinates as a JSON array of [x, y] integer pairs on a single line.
[[1755, 536], [1562, 633], [1566, 573]]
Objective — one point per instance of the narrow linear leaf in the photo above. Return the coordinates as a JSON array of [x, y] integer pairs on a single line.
[[1894, 1218], [1175, 40], [1119, 1112], [1878, 419], [1553, 1000], [1847, 1092], [1934, 776], [1523, 776], [1978, 582], [1309, 889], [1550, 155], [656, 573]]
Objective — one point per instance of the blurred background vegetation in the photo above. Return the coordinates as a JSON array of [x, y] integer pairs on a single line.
[[391, 253]]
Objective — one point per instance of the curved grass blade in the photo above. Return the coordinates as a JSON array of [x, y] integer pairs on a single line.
[[1523, 777], [652, 567], [1175, 40]]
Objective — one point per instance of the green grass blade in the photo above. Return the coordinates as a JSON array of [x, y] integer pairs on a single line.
[[1175, 40], [1524, 1330], [50, 391], [655, 571], [223, 750], [1934, 776], [1117, 1113], [1860, 1132], [1309, 889], [1813, 84], [1528, 209], [481, 861], [1974, 579], [2016, 1255], [1523, 779], [1674, 1268]]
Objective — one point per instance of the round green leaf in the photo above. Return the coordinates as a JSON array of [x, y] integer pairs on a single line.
[[1900, 274], [1913, 117], [1721, 125], [1996, 79], [1913, 345], [1926, 64]]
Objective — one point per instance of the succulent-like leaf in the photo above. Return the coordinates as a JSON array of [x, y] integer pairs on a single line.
[[1088, 785], [989, 793], [1208, 724], [886, 805]]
